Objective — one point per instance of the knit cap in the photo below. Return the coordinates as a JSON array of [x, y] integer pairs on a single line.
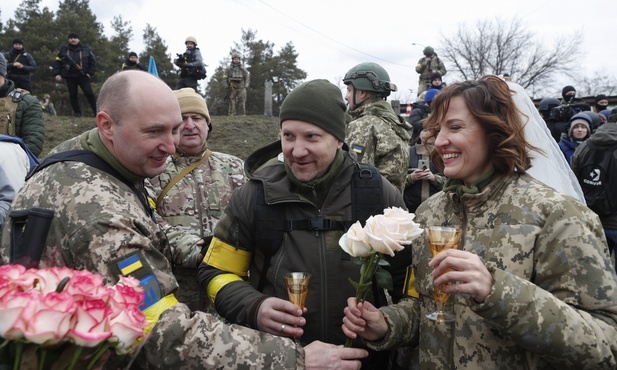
[[73, 35], [17, 41], [580, 118], [2, 65], [430, 95], [132, 54], [191, 102], [318, 102]]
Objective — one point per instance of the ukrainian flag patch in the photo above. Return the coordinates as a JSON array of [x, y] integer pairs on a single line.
[[136, 265]]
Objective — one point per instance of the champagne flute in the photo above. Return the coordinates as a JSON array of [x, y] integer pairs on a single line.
[[297, 288], [440, 239]]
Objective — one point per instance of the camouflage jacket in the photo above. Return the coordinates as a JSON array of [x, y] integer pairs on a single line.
[[190, 210], [100, 224], [426, 70], [554, 298], [197, 201], [238, 77], [380, 137]]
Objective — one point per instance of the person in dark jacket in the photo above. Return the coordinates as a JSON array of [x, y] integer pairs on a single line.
[[19, 65], [423, 179], [579, 130], [132, 62], [27, 116], [420, 111], [189, 63], [76, 64], [310, 180]]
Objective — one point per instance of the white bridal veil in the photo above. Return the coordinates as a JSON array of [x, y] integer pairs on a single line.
[[551, 166]]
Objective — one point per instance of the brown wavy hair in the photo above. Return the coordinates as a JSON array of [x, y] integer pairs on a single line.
[[489, 100]]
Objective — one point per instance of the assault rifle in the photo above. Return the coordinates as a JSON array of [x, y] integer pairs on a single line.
[[72, 62]]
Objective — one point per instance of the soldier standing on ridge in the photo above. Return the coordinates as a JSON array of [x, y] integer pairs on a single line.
[[190, 63], [238, 79], [76, 64], [427, 66]]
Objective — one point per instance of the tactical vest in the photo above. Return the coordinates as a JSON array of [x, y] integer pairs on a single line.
[[236, 74], [8, 111]]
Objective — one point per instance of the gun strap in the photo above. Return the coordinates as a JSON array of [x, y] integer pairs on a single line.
[[180, 175]]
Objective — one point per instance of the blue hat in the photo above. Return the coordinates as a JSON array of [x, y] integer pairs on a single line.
[[430, 95]]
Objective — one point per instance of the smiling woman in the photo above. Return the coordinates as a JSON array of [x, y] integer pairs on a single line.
[[524, 244]]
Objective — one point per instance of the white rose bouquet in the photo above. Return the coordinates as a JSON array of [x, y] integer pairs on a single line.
[[59, 318], [382, 234]]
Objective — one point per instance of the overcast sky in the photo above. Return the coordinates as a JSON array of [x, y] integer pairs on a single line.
[[331, 36]]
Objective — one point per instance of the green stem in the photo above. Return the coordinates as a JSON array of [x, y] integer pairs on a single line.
[[361, 293], [18, 352], [75, 357], [42, 359], [99, 352]]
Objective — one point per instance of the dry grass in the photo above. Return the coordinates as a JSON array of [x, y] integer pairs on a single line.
[[237, 135]]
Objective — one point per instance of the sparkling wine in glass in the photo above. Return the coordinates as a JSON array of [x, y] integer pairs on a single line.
[[440, 239], [297, 288]]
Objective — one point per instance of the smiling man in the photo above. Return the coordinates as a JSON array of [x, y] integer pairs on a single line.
[[289, 217], [192, 193], [100, 225]]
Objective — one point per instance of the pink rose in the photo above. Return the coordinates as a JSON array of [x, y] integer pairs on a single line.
[[354, 241], [50, 318], [126, 292], [84, 284], [12, 313], [49, 278], [91, 323], [8, 275], [127, 327]]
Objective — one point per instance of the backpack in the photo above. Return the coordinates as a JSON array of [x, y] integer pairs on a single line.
[[198, 72], [598, 178], [270, 222], [8, 111]]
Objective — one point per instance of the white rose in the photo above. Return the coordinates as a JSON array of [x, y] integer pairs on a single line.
[[405, 221], [354, 241]]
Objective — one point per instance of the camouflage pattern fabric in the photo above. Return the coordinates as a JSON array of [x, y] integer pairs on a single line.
[[238, 80], [554, 298], [380, 137], [190, 210], [425, 71], [98, 220]]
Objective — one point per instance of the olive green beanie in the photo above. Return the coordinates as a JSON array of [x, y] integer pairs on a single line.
[[318, 102]]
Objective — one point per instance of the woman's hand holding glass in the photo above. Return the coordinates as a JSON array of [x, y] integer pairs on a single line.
[[462, 272]]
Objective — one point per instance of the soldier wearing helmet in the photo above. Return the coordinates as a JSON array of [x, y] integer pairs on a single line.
[[238, 79], [377, 134], [428, 65], [191, 65]]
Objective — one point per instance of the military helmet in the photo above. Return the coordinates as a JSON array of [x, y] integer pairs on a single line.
[[428, 51], [235, 54], [370, 77], [548, 103], [191, 39]]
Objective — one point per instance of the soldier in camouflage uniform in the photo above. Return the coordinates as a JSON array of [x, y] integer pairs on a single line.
[[531, 284], [238, 79], [101, 225], [427, 66], [377, 134], [195, 200]]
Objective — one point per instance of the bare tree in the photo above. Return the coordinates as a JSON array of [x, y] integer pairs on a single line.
[[496, 47], [599, 83]]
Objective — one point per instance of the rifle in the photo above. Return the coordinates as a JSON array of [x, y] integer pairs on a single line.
[[67, 56], [227, 98], [29, 229]]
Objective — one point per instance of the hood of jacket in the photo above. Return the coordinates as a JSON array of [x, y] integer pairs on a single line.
[[383, 110], [605, 134]]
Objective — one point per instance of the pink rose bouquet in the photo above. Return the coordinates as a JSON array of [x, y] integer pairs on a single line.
[[381, 235], [59, 316]]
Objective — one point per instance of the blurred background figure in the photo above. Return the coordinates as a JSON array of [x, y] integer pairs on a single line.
[[20, 65], [47, 106], [428, 65]]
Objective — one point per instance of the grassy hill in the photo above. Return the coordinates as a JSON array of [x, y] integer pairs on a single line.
[[237, 135]]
